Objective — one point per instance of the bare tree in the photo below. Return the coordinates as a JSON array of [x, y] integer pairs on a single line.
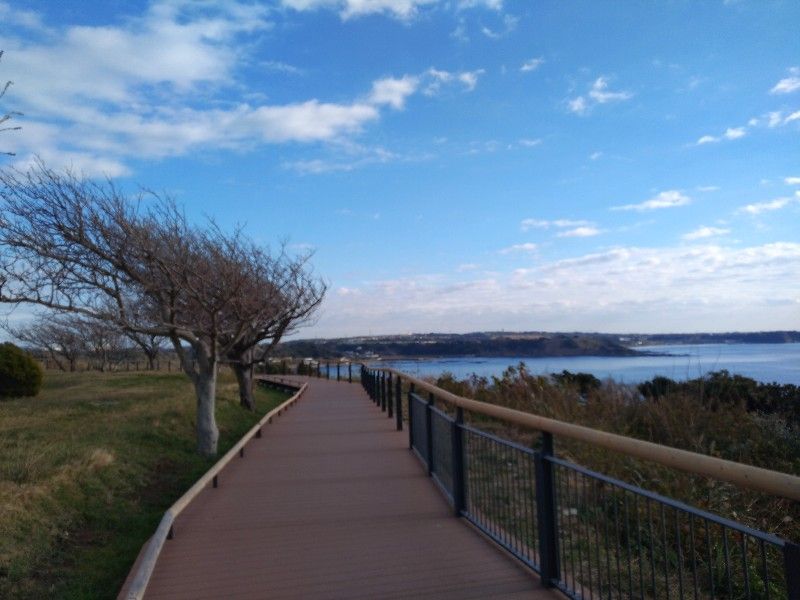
[[150, 344], [80, 246], [53, 336], [5, 117], [289, 294]]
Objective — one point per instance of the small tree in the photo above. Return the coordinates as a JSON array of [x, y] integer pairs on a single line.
[[20, 374], [55, 337], [79, 246]]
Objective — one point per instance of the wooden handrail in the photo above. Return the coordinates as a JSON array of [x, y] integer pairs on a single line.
[[148, 560], [754, 478]]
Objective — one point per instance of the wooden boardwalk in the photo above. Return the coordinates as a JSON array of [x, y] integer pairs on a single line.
[[330, 503]]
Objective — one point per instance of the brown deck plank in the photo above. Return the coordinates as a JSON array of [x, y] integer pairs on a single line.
[[330, 503]]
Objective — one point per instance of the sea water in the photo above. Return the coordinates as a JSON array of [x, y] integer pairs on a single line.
[[767, 363]]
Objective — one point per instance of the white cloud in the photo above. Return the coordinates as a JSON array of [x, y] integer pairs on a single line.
[[532, 64], [684, 287], [517, 248], [436, 78], [595, 155], [731, 133], [792, 181], [393, 91], [599, 93], [400, 9], [578, 105], [705, 232], [465, 267], [666, 199], [528, 224], [492, 4], [707, 188], [152, 87], [530, 143], [788, 84], [586, 231], [509, 24], [761, 207], [792, 117], [282, 67]]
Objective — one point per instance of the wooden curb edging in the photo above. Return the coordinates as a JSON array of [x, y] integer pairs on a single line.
[[146, 564]]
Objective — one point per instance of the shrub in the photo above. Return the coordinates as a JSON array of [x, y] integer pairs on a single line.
[[20, 374]]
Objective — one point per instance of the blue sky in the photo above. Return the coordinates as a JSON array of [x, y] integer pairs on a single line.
[[455, 165]]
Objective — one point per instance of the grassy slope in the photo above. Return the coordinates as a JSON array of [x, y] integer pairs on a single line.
[[87, 469]]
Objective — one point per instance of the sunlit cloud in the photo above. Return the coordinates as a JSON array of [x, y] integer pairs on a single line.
[[666, 199]]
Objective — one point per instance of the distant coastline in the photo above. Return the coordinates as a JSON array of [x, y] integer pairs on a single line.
[[514, 344]]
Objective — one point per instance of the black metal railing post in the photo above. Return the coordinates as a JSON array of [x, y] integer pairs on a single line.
[[457, 438], [349, 372], [389, 404], [791, 561], [383, 392], [546, 513], [338, 376], [328, 370], [398, 409], [429, 432], [410, 415]]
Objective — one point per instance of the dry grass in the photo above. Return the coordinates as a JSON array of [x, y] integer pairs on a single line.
[[88, 467]]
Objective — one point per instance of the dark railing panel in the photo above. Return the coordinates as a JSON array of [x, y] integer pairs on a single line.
[[442, 439], [587, 534], [419, 427], [616, 540], [500, 492]]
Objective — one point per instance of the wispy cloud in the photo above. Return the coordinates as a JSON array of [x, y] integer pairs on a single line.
[[580, 232], [393, 91], [282, 67], [529, 143], [528, 224], [666, 199], [531, 64], [789, 84], [519, 248], [624, 288], [705, 232], [771, 205], [436, 78], [599, 93], [732, 133], [348, 9], [792, 181], [509, 24]]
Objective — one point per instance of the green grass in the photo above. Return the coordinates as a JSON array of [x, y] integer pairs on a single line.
[[87, 469]]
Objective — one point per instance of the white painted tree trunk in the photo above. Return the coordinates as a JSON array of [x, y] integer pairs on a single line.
[[205, 385]]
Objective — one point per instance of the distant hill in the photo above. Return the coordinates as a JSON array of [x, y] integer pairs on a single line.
[[757, 337], [512, 344], [470, 344]]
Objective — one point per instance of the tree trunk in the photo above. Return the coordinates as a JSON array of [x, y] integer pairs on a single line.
[[151, 362], [244, 376], [205, 386]]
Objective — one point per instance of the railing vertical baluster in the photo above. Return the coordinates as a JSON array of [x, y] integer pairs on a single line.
[[546, 513], [338, 376], [398, 409], [389, 407], [383, 391], [328, 370], [349, 372], [791, 561], [429, 432], [457, 437], [411, 415]]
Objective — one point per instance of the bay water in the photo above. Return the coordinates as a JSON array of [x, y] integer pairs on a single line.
[[767, 363]]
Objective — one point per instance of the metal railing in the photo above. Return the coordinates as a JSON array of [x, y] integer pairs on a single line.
[[587, 534]]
